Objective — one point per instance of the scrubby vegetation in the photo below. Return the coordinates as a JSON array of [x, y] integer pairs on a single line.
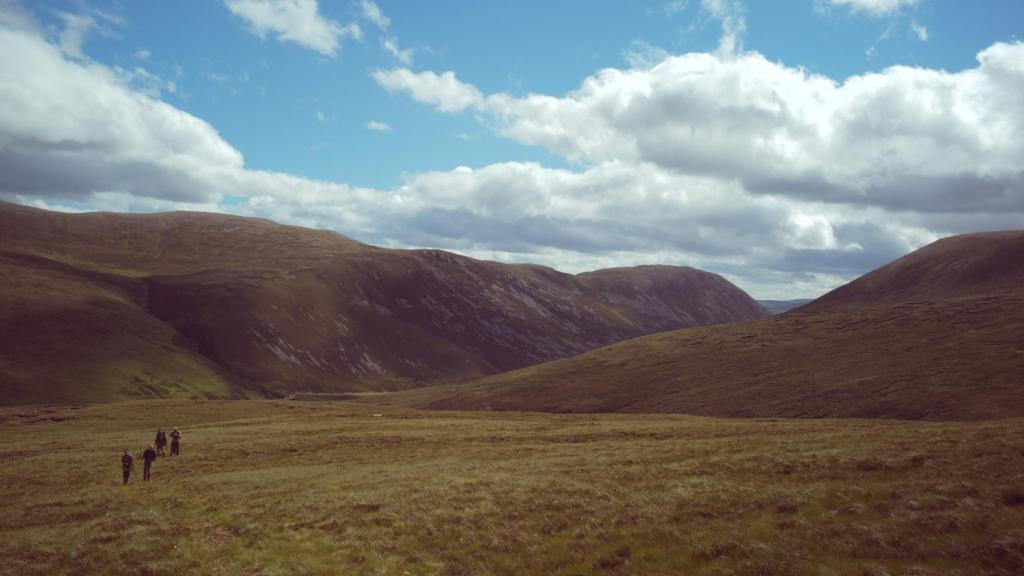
[[341, 488]]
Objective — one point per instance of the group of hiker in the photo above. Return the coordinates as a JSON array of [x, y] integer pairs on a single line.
[[150, 454]]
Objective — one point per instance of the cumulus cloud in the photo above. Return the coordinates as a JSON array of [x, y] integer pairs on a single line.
[[297, 21], [444, 90], [873, 7], [70, 129], [14, 15], [378, 126], [902, 138], [786, 182]]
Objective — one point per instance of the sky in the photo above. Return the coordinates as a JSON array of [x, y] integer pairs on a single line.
[[790, 146]]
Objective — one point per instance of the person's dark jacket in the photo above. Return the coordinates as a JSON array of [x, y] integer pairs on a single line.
[[149, 456]]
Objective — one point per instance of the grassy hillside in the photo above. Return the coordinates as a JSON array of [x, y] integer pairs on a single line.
[[331, 488], [954, 267], [938, 334], [212, 305], [78, 337]]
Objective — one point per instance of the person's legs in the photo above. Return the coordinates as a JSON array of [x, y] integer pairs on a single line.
[[145, 473], [126, 473]]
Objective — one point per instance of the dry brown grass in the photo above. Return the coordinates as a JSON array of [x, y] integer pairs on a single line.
[[329, 488]]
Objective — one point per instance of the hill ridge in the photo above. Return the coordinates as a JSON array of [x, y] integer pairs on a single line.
[[280, 308], [889, 344]]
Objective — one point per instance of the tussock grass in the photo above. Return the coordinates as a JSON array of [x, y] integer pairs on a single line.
[[274, 488]]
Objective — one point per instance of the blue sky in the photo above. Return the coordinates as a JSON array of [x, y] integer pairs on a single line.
[[340, 121]]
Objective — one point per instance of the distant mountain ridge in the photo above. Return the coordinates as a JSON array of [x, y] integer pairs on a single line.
[[102, 306], [937, 334], [780, 306]]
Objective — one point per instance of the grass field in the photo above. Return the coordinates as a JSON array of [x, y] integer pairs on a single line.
[[341, 488]]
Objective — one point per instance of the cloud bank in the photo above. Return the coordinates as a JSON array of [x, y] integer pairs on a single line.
[[785, 181]]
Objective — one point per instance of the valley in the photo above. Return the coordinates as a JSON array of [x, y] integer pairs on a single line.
[[279, 487]]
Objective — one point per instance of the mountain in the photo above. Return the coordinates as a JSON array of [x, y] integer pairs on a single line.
[[780, 306], [100, 306], [937, 334]]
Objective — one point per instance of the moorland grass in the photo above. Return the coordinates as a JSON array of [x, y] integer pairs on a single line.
[[277, 487]]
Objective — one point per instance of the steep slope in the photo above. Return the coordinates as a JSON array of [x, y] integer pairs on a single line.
[[938, 334], [228, 305]]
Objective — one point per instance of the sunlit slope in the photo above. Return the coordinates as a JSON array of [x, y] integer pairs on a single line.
[[938, 334], [333, 488], [275, 309]]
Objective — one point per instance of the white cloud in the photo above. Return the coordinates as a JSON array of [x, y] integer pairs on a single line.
[[320, 117], [784, 181], [16, 16], [373, 13], [873, 7], [76, 27], [297, 21], [70, 129], [378, 126], [444, 90], [920, 31], [643, 55], [901, 138], [142, 54], [734, 23], [815, 174], [390, 45]]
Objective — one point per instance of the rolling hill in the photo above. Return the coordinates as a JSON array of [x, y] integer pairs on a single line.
[[101, 306], [937, 334]]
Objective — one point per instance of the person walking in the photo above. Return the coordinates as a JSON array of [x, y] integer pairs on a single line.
[[127, 465], [175, 442], [161, 441], [147, 462]]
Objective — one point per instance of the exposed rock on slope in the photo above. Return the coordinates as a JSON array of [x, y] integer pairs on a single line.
[[104, 306]]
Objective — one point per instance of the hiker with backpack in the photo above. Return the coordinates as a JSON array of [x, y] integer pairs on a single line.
[[127, 465], [175, 442], [161, 441], [148, 457]]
